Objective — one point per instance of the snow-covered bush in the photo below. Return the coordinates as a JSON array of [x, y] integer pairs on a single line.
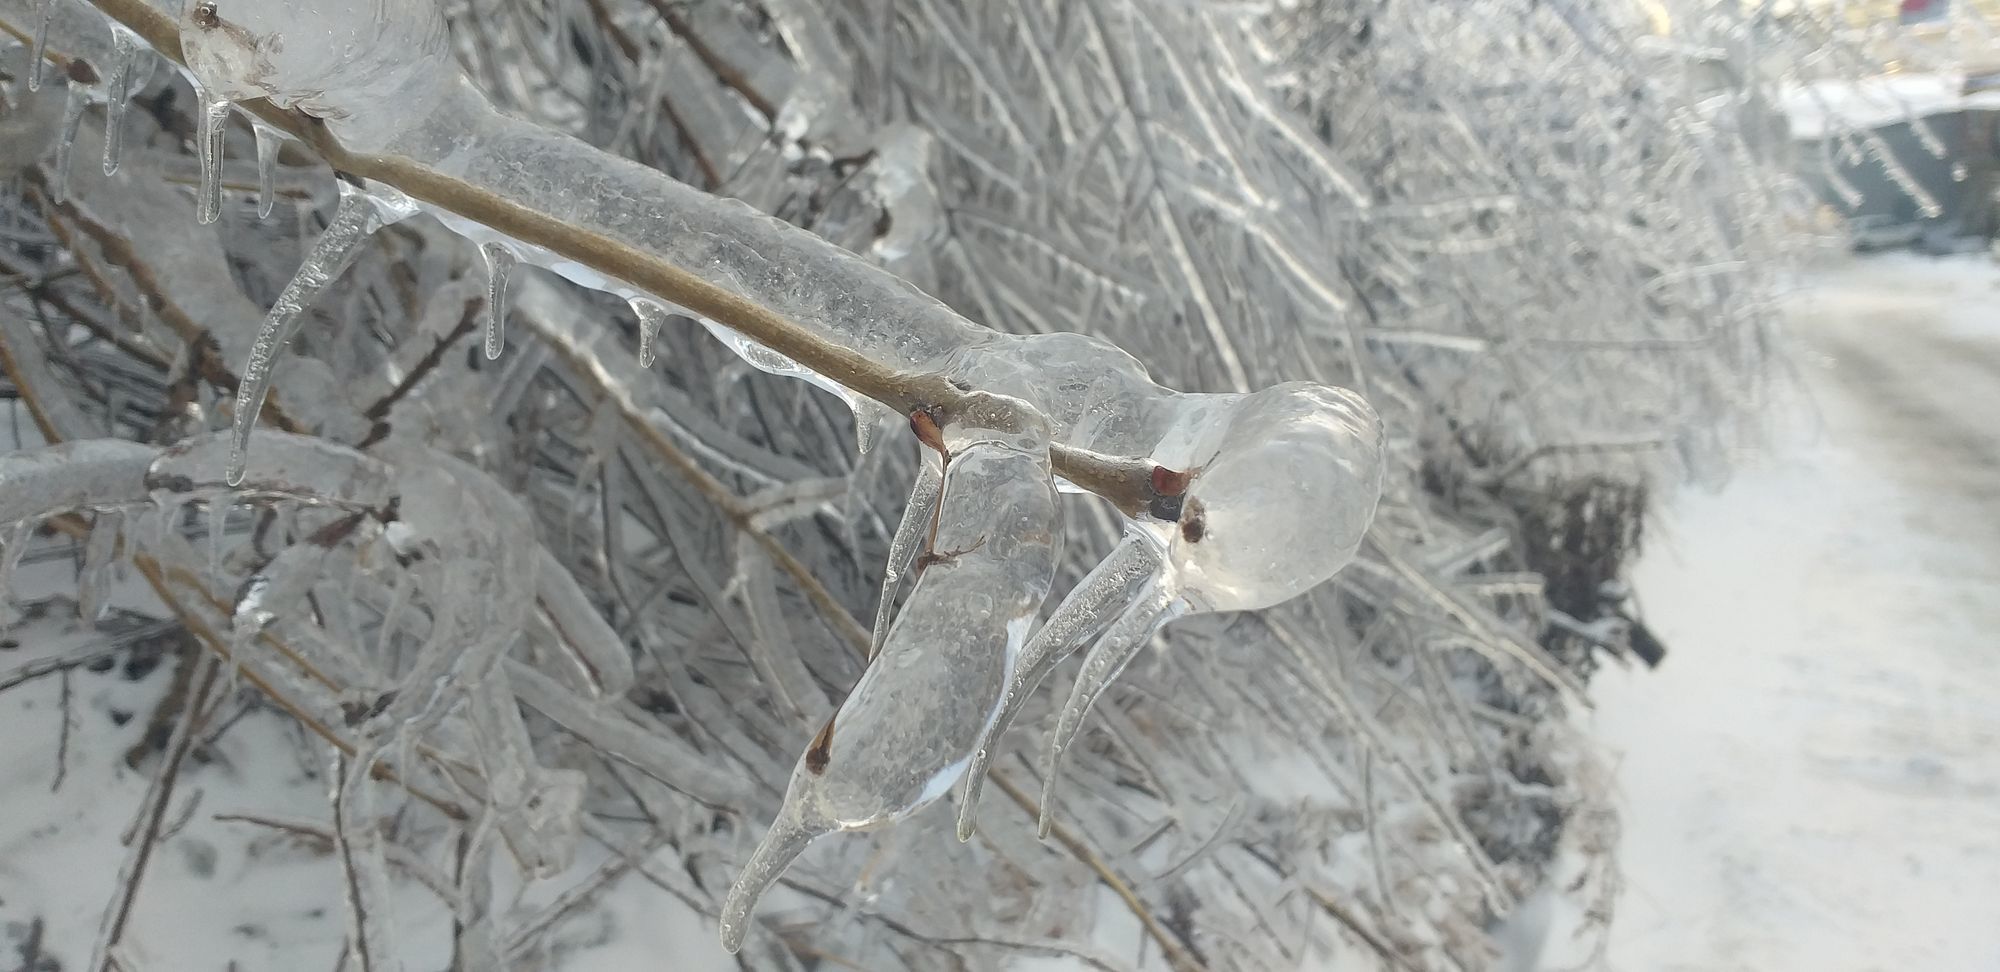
[[1118, 288]]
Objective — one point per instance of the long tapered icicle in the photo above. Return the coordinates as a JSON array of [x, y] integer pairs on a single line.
[[74, 104], [500, 263], [1159, 604], [38, 52], [917, 516], [786, 840], [269, 141], [353, 220], [1095, 602], [126, 50], [651, 315], [211, 123]]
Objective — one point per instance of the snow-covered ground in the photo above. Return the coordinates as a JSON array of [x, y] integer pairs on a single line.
[[1812, 779]]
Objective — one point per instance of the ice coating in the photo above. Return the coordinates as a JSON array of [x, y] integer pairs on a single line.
[[38, 48], [1158, 602], [1093, 603], [211, 123], [1093, 395], [269, 142], [1283, 504], [907, 731], [75, 101], [651, 315], [917, 515], [500, 263], [339, 60], [128, 52], [1269, 492], [1282, 485], [82, 475], [357, 217]]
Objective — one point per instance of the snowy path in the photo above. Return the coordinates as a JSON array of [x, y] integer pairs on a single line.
[[1812, 779]]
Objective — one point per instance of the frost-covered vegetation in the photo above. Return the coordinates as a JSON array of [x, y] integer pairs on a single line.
[[448, 418]]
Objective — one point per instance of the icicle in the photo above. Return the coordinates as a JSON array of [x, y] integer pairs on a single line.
[[651, 315], [782, 844], [10, 560], [211, 123], [93, 587], [1106, 660], [869, 417], [126, 50], [905, 734], [1098, 599], [218, 524], [269, 141], [910, 531], [500, 263], [74, 103], [38, 52], [166, 518], [354, 219], [583, 631]]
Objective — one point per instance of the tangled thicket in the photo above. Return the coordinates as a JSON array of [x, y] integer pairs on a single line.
[[1541, 237]]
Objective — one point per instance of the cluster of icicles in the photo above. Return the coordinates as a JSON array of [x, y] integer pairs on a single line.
[[1255, 497]]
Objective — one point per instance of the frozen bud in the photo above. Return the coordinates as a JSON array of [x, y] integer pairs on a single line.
[[369, 68], [1283, 504]]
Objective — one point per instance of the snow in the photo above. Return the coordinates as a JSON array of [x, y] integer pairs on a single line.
[[1811, 779], [1817, 107]]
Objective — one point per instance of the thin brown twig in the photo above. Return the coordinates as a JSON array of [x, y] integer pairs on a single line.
[[62, 740], [630, 48], [205, 356], [729, 74], [357, 905], [156, 813], [1124, 481], [378, 412], [730, 505], [1178, 954]]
